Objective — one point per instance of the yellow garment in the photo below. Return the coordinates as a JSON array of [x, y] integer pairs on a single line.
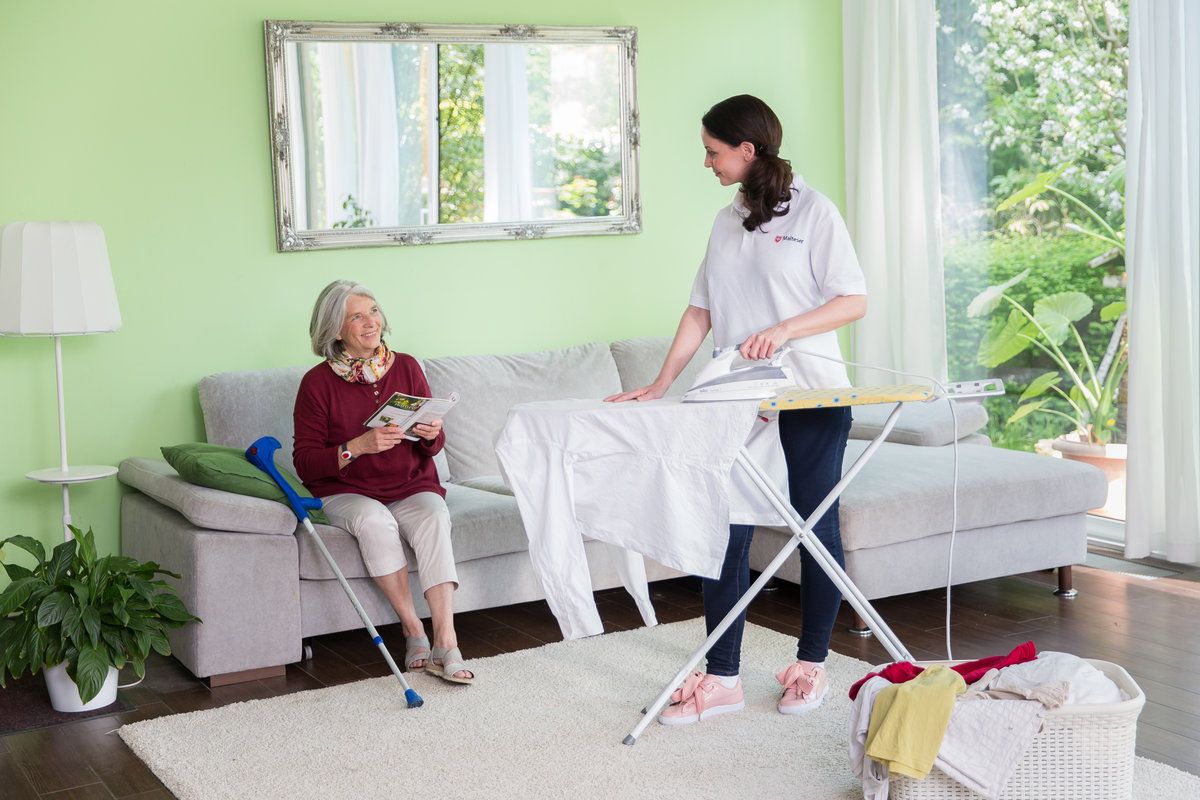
[[848, 396], [908, 720]]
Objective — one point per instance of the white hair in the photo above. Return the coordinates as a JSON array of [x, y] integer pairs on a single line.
[[329, 314]]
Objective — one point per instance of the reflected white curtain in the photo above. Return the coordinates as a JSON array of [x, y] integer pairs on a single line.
[[507, 175], [1163, 257], [893, 194]]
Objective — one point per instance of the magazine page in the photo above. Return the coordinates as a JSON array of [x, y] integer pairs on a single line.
[[405, 411]]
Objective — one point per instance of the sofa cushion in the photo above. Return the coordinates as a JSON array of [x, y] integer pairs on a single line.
[[204, 507], [639, 360], [924, 424], [491, 385], [239, 407], [482, 524], [904, 492], [227, 469]]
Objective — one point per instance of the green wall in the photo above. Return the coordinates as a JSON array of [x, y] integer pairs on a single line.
[[149, 117]]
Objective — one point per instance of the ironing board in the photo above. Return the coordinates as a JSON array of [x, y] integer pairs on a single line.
[[797, 399]]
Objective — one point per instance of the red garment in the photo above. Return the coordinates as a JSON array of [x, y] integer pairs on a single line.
[[971, 671], [330, 411]]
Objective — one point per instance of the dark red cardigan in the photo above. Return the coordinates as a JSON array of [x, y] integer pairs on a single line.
[[330, 411]]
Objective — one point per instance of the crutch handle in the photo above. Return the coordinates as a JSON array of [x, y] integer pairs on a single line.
[[262, 455]]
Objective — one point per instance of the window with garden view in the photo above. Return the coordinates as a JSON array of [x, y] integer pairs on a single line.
[[1032, 97]]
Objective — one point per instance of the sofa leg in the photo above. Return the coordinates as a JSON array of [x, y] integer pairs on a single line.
[[226, 678], [1065, 584], [859, 626]]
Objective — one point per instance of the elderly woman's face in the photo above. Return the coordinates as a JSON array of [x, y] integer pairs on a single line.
[[362, 327]]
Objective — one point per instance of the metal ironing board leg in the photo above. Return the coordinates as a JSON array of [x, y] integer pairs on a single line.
[[801, 536]]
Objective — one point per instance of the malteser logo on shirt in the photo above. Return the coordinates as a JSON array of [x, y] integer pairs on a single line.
[[795, 239]]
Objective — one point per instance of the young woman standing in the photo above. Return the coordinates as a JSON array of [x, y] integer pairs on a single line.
[[779, 268]]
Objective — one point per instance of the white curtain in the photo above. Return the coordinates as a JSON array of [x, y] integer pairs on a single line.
[[893, 193], [1163, 257], [507, 173]]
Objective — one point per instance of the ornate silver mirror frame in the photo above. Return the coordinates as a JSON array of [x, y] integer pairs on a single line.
[[280, 33]]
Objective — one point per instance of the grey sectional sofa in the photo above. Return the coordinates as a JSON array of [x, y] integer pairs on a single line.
[[262, 590]]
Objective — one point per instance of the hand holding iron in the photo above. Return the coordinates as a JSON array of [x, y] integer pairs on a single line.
[[764, 343]]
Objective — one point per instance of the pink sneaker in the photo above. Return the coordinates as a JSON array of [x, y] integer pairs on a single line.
[[804, 687], [702, 696]]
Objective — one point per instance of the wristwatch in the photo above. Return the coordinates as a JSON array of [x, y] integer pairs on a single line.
[[344, 453]]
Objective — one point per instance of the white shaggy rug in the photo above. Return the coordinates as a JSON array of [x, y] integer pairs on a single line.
[[543, 723]]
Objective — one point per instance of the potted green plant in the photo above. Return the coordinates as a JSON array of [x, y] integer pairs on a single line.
[[1089, 391], [1091, 387], [82, 617]]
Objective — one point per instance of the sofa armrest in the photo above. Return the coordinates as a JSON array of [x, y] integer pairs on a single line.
[[922, 424], [203, 507]]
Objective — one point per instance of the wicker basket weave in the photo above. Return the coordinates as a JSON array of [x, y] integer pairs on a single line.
[[1082, 751]]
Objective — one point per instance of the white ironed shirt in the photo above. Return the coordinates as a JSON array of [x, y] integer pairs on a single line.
[[795, 263]]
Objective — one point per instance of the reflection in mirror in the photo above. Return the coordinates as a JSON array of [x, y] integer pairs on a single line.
[[429, 139]]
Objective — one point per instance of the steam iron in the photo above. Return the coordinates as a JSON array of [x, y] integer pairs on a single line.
[[722, 379]]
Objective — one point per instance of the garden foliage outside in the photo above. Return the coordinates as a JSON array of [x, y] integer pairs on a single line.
[[1030, 87]]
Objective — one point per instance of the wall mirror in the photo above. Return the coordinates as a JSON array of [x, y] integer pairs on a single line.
[[409, 134]]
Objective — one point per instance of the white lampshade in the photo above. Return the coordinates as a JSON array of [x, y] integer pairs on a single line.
[[55, 280]]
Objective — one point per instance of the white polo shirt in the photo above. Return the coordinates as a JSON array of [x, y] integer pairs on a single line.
[[795, 263]]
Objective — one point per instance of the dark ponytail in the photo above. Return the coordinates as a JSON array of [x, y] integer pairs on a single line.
[[768, 181]]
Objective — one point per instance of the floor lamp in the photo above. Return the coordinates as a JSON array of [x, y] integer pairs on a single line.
[[55, 281]]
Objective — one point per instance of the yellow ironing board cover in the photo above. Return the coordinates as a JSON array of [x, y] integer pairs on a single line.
[[849, 396]]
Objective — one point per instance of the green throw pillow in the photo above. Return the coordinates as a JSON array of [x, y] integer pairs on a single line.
[[226, 468]]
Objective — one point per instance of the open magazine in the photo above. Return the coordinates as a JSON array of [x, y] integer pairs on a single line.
[[405, 411]]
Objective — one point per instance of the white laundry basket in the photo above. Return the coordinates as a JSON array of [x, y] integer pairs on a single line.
[[1082, 751]]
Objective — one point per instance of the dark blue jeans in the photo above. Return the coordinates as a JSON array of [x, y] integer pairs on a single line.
[[814, 442]]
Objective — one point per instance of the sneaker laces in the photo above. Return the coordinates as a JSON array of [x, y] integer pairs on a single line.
[[799, 678], [690, 691]]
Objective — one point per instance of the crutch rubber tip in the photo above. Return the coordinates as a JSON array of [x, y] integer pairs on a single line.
[[414, 699], [629, 740]]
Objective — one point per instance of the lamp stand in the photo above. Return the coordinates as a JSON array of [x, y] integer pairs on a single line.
[[66, 475]]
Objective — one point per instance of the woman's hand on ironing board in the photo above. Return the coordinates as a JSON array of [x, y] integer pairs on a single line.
[[651, 392]]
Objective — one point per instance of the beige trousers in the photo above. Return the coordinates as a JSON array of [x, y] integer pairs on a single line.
[[422, 521]]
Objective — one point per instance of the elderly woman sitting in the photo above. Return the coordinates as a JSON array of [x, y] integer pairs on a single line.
[[375, 483]]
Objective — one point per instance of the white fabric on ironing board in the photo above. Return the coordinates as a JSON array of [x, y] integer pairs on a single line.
[[651, 477]]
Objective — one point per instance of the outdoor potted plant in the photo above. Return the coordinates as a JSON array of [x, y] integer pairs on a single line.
[[1087, 389], [82, 618], [1091, 390]]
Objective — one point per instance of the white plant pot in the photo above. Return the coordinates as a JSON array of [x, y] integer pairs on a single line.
[[1110, 458], [64, 694]]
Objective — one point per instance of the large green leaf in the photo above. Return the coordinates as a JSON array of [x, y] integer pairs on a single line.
[[91, 624], [72, 623], [1056, 313], [17, 593], [1112, 311], [1004, 340], [1032, 189], [29, 545], [1040, 384], [60, 561], [53, 609], [1026, 410], [171, 607], [986, 301], [158, 640], [91, 669], [16, 571]]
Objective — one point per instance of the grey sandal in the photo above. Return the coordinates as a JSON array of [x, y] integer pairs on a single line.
[[416, 648], [452, 662]]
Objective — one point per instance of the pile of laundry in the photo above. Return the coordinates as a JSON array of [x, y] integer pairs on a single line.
[[973, 721]]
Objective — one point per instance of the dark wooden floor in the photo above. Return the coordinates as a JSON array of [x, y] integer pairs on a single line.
[[1151, 627]]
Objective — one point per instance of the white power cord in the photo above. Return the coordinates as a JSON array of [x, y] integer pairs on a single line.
[[954, 497]]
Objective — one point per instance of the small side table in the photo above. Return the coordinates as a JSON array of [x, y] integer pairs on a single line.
[[66, 477]]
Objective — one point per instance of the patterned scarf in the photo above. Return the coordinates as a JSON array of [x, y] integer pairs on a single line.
[[362, 370]]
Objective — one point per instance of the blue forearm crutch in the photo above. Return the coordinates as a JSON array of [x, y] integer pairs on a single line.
[[262, 455]]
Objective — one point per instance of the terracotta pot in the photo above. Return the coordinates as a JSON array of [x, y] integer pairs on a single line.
[[1108, 457]]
